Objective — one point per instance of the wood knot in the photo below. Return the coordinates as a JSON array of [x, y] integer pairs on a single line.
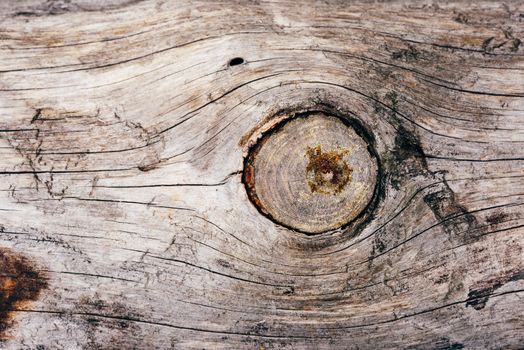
[[312, 173]]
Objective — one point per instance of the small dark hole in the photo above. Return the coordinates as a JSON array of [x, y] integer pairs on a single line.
[[236, 61]]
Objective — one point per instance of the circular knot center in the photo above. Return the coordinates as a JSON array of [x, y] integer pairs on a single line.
[[327, 172]]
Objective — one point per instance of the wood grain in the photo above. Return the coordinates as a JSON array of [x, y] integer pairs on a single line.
[[124, 129]]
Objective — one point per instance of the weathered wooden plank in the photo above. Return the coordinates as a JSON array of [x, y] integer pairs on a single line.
[[124, 131]]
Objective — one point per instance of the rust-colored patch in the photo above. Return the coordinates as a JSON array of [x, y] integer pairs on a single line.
[[20, 283], [249, 181], [327, 172]]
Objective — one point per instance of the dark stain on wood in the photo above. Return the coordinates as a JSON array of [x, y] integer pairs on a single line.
[[447, 344], [496, 218], [409, 54], [20, 283], [327, 172], [408, 147], [461, 18], [454, 218], [103, 317], [407, 158], [479, 295]]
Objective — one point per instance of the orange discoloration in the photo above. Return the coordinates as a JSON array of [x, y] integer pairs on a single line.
[[249, 181], [327, 172], [20, 283]]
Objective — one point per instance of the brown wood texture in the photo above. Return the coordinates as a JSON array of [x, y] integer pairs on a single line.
[[126, 128]]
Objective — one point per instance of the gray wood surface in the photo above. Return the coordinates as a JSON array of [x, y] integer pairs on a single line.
[[124, 219]]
